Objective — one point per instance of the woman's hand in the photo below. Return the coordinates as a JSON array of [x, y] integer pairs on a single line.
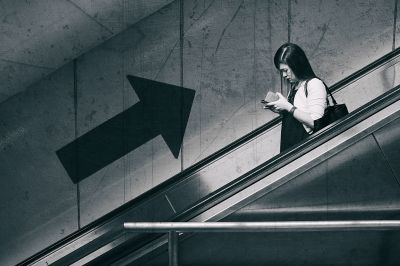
[[279, 105]]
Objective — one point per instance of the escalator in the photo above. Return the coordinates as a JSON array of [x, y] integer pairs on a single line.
[[291, 185], [353, 176]]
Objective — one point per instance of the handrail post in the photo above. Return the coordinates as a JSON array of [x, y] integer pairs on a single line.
[[173, 248]]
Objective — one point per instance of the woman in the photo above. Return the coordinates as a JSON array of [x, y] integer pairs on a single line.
[[307, 98]]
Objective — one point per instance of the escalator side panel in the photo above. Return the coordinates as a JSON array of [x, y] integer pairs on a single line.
[[229, 168], [309, 189], [359, 176], [156, 210], [301, 164], [388, 139], [355, 178]]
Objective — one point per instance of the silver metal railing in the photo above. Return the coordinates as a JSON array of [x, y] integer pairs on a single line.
[[174, 228]]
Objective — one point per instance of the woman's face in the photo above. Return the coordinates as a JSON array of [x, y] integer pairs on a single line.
[[287, 73]]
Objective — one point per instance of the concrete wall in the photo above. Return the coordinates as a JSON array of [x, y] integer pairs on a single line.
[[40, 36], [227, 60]]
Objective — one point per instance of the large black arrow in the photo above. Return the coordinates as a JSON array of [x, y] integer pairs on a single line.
[[163, 109]]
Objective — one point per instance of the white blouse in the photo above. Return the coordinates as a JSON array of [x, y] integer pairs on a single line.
[[315, 102]]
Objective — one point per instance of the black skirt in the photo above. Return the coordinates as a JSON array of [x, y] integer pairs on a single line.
[[292, 131]]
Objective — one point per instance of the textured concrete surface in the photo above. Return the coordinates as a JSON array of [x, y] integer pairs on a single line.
[[40, 36], [227, 59], [105, 92], [342, 36], [38, 201]]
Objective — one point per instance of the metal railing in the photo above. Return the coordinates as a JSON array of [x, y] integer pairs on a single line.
[[173, 229]]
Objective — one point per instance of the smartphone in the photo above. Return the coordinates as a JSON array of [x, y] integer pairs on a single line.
[[271, 97]]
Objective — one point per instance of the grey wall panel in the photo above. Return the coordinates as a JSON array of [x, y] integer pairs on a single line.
[[369, 87], [218, 62], [24, 24], [100, 97], [104, 91], [271, 31], [15, 77], [156, 57], [342, 36], [227, 59], [194, 11], [388, 139], [197, 19], [117, 15], [39, 37], [396, 31], [38, 200]]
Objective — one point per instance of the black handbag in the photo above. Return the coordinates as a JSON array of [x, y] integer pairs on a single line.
[[332, 112]]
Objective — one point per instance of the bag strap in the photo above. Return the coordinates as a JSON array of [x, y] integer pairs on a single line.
[[326, 88]]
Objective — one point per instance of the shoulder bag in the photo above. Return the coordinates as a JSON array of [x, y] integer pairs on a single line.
[[332, 112]]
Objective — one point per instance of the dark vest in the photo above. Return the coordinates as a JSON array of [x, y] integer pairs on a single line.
[[292, 131]]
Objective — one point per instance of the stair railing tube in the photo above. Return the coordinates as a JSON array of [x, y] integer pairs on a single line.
[[174, 228]]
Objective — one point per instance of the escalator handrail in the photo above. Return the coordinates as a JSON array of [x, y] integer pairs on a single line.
[[281, 160], [285, 158], [201, 164]]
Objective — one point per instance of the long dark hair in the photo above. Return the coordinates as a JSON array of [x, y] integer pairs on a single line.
[[292, 55]]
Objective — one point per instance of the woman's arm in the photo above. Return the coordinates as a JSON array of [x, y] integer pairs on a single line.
[[316, 104], [282, 104], [316, 98]]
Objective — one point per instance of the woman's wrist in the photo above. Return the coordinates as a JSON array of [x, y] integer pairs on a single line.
[[291, 111], [289, 107]]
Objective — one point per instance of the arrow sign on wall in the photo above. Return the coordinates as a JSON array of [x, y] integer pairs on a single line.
[[163, 109]]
